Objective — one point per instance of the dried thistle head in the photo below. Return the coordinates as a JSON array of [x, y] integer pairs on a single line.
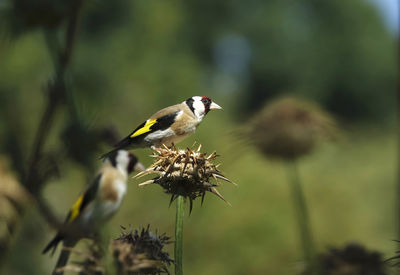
[[184, 173], [394, 261], [90, 262], [288, 128], [13, 200], [141, 252], [353, 259]]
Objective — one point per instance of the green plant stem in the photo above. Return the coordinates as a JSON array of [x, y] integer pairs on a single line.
[[302, 214], [398, 138], [179, 235]]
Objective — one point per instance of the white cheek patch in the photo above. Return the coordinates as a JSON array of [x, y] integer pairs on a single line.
[[123, 160], [199, 109]]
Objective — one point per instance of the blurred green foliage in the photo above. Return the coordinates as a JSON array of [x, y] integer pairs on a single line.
[[135, 57], [338, 54], [335, 52]]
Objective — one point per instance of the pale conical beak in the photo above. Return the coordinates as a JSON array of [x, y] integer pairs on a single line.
[[139, 167], [215, 106]]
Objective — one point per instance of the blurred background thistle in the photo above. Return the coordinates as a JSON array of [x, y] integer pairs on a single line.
[[287, 129], [87, 262], [13, 199], [351, 259]]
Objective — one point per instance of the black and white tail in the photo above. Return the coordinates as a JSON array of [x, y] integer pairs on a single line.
[[53, 244]]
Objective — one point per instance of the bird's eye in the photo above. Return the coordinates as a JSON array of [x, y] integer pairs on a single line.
[[206, 101]]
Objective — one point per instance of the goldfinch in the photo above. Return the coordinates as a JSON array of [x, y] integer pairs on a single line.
[[97, 204], [169, 125]]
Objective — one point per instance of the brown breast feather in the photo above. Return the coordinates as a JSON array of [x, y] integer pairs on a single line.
[[108, 191]]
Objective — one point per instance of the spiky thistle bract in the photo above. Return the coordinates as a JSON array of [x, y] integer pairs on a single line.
[[186, 173]]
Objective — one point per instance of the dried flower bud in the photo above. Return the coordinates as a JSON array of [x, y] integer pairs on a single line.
[[352, 259], [13, 200], [141, 253], [90, 262], [288, 128], [184, 173]]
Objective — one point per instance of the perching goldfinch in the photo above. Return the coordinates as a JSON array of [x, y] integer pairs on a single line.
[[97, 204], [169, 125]]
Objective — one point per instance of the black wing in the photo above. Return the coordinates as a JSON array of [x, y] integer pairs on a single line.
[[76, 210], [146, 128], [83, 200]]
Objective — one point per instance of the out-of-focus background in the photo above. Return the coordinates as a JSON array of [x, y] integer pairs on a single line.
[[132, 58]]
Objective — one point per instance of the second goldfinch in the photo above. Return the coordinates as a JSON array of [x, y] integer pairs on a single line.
[[169, 125], [97, 204]]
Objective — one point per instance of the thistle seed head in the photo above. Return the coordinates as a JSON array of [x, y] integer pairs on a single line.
[[89, 263], [288, 128], [141, 252], [14, 198], [184, 173], [351, 259]]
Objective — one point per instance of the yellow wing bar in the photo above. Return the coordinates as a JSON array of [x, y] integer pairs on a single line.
[[144, 129], [75, 209]]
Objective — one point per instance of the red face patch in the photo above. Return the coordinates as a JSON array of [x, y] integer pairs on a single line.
[[207, 102]]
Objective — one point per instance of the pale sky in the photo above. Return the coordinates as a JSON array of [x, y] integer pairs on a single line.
[[390, 13]]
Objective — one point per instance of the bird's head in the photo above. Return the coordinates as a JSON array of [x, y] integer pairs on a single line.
[[201, 105], [125, 161]]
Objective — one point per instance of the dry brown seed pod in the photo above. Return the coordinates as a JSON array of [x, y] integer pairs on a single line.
[[288, 128], [90, 262], [141, 252], [184, 173]]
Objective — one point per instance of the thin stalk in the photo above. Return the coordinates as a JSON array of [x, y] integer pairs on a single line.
[[301, 213], [398, 135], [179, 235], [56, 93]]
